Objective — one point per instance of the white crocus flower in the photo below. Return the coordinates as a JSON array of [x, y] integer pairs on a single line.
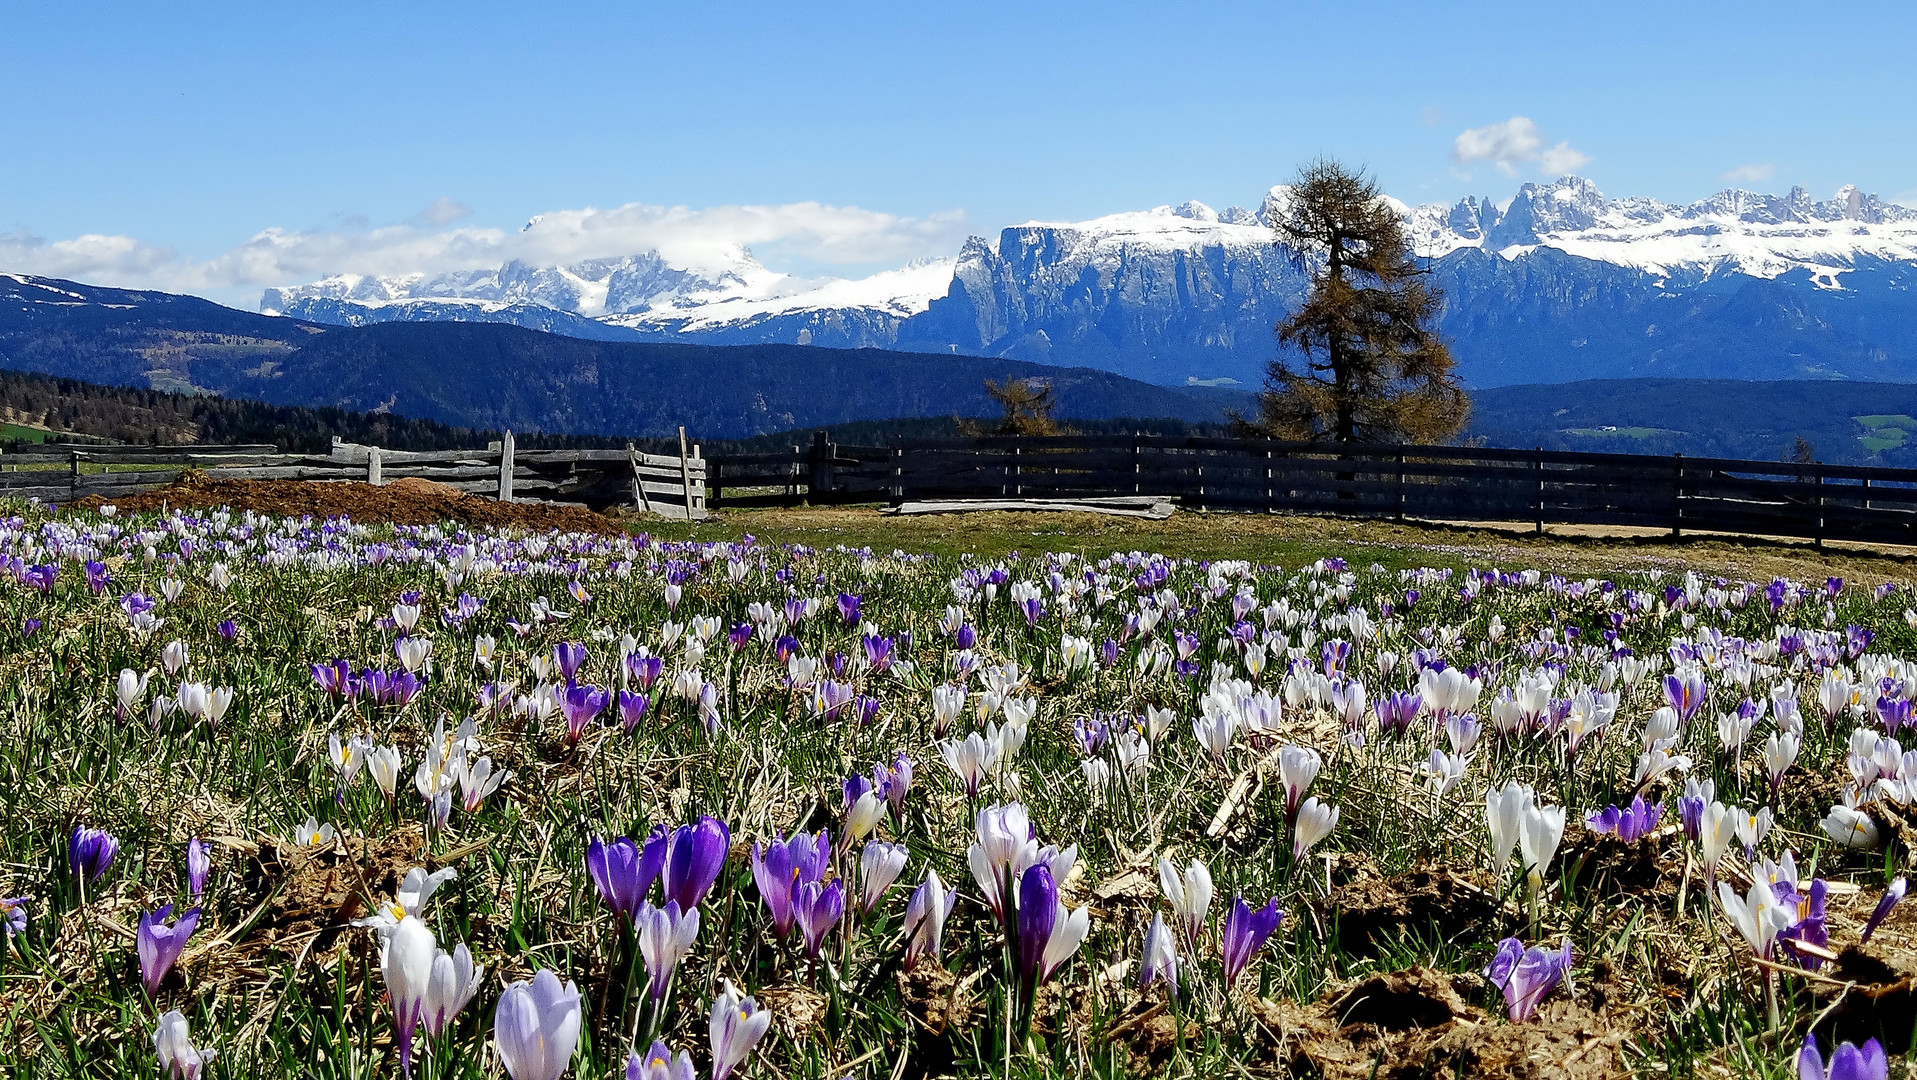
[[1315, 822], [1850, 827]]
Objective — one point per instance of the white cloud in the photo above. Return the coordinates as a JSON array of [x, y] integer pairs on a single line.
[[1561, 159], [1508, 144], [1748, 174], [430, 243]]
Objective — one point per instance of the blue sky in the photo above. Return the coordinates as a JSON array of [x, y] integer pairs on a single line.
[[217, 148]]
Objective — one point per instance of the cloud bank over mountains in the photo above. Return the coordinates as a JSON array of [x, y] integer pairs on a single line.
[[431, 242]]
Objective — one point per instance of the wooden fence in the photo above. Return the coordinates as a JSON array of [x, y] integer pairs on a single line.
[[664, 484], [1446, 483]]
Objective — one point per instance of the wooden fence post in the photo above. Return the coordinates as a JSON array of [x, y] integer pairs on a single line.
[[1398, 504], [73, 476], [1537, 487], [375, 468], [506, 467], [639, 498], [1677, 495], [819, 477], [1818, 539], [1138, 464], [685, 472], [898, 475]]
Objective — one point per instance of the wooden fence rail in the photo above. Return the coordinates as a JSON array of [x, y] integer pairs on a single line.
[[1448, 483], [671, 485]]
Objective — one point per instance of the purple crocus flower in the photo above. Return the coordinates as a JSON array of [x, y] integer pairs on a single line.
[[198, 866], [1810, 927], [818, 909], [1632, 823], [849, 608], [580, 704], [159, 945], [1685, 693], [1847, 1062], [966, 637], [740, 635], [782, 866], [228, 629], [621, 874], [644, 670], [1245, 933], [332, 678], [865, 708], [878, 652], [695, 855], [13, 915], [1037, 913], [568, 656], [1527, 975], [90, 853], [853, 789], [1108, 653], [29, 628], [632, 709], [1892, 896], [1893, 713], [1397, 711], [97, 576], [894, 784]]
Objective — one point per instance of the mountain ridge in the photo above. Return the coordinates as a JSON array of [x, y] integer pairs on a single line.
[[1188, 293]]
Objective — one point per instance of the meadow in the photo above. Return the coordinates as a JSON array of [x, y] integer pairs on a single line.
[[321, 799]]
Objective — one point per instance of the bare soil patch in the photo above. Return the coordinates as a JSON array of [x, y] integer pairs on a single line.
[[403, 502]]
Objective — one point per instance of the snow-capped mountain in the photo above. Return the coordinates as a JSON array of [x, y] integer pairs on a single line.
[[1559, 282]]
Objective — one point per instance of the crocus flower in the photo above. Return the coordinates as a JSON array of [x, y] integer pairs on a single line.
[[567, 656], [925, 918], [1297, 767], [880, 864], [1527, 975], [737, 1024], [13, 915], [580, 704], [173, 1045], [406, 961], [536, 1027], [1759, 917], [1504, 813], [1848, 1062], [665, 937], [90, 853], [454, 981], [659, 1064], [1245, 931], [695, 855], [1188, 893], [784, 865], [1160, 960], [849, 608], [1538, 837], [632, 709], [159, 944], [1315, 822], [817, 909], [620, 873], [1630, 824], [970, 760], [1892, 896], [1850, 827], [1037, 915]]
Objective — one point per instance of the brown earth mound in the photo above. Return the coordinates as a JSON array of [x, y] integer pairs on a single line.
[[403, 502]]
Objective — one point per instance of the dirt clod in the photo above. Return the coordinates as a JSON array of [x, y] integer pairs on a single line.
[[1371, 912]]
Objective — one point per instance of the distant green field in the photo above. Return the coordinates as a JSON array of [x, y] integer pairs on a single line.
[[1885, 431], [1619, 432], [22, 434]]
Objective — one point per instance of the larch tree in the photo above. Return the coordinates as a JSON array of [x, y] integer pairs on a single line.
[[1361, 359]]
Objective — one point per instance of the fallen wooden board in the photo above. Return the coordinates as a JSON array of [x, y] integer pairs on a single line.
[[1126, 507]]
